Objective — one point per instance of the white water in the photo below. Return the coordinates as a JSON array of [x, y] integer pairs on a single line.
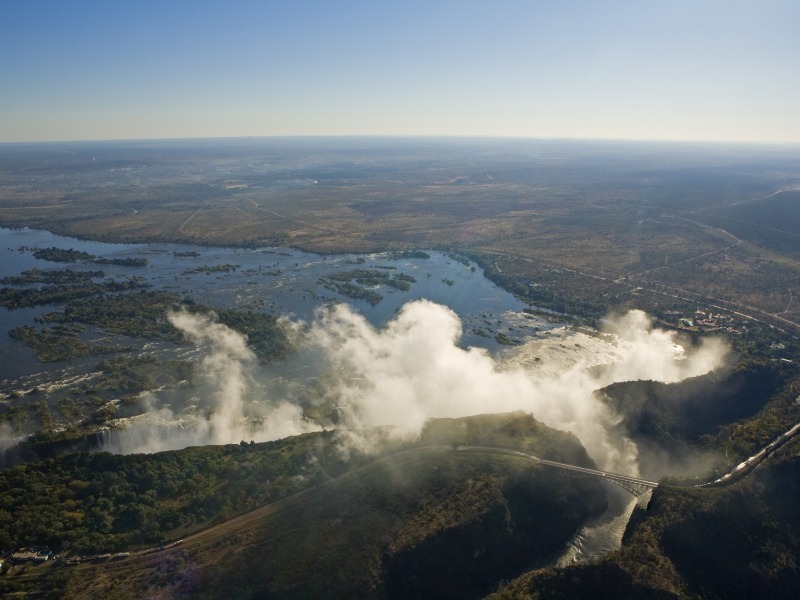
[[602, 534]]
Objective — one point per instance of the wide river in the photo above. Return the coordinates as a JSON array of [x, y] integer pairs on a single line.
[[281, 281]]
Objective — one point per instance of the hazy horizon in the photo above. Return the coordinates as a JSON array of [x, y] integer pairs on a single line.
[[409, 138], [583, 70]]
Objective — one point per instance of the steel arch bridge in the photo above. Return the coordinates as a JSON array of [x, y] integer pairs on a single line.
[[632, 485]]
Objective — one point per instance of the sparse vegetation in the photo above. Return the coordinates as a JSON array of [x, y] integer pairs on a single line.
[[708, 248], [579, 221]]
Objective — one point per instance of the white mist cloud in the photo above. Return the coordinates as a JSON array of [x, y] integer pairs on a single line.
[[234, 407], [226, 367], [8, 439], [413, 370], [405, 373], [647, 353]]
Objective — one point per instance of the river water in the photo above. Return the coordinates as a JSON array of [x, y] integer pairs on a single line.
[[282, 281], [604, 533]]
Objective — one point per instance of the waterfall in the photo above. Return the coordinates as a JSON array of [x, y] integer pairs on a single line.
[[346, 417]]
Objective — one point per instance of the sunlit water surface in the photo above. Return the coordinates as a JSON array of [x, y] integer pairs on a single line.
[[281, 281]]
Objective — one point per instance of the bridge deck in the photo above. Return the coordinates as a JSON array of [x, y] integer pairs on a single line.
[[633, 485]]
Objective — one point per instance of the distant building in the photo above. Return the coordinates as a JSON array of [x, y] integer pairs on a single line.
[[43, 555], [23, 555], [36, 554]]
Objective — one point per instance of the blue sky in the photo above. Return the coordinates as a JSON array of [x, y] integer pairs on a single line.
[[644, 69]]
